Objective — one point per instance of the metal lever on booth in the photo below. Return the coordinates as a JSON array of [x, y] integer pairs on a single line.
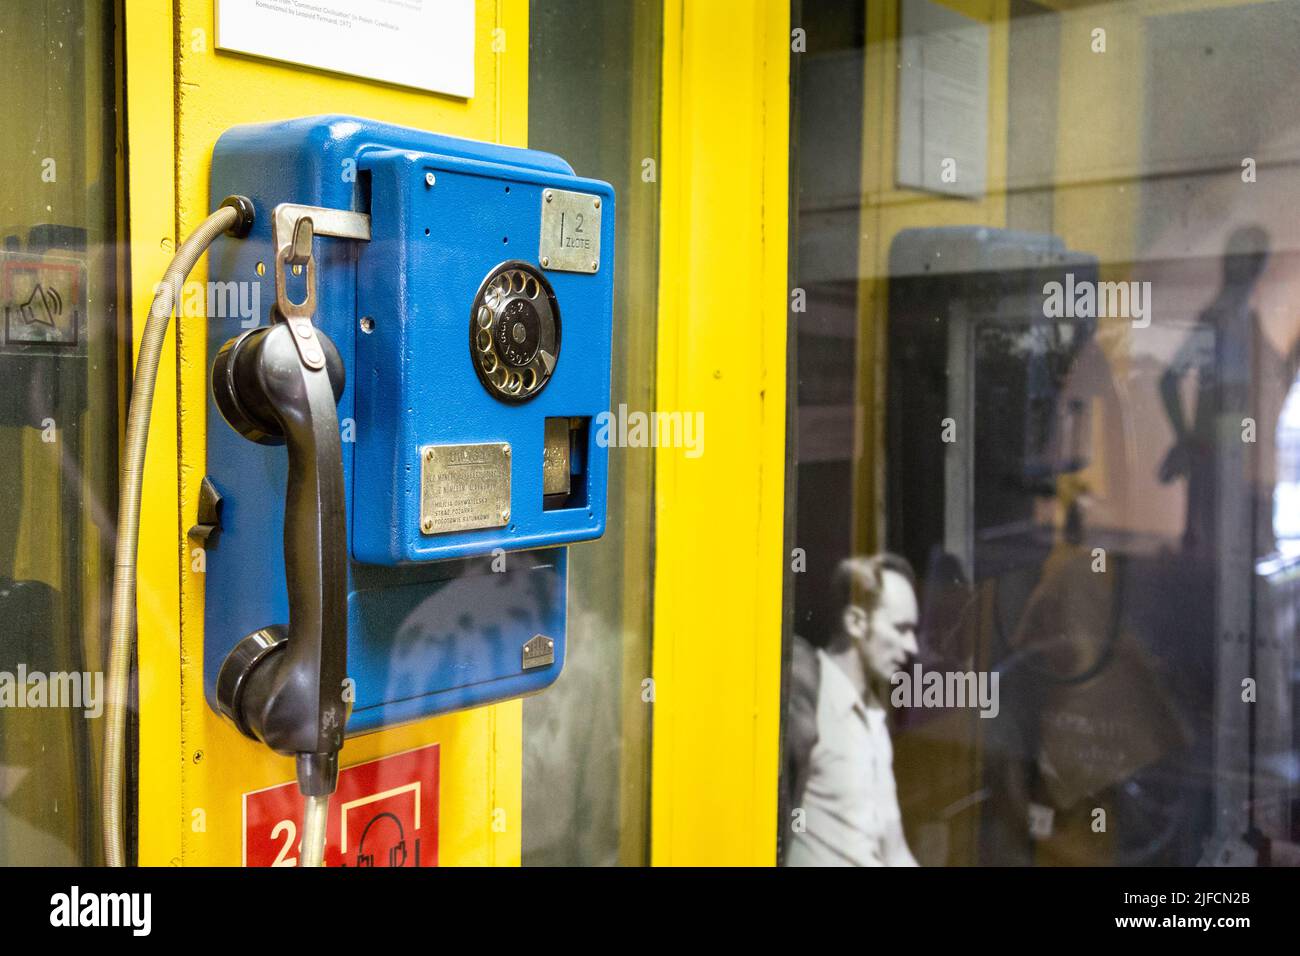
[[280, 384]]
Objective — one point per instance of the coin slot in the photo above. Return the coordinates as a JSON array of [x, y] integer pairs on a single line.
[[564, 463]]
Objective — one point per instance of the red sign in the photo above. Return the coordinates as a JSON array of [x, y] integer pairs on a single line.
[[384, 813]]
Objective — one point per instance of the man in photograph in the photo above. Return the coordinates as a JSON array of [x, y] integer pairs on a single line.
[[839, 760]]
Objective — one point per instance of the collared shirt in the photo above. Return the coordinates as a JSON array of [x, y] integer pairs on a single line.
[[850, 804]]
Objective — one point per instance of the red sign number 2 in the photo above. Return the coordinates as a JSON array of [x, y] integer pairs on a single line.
[[384, 813]]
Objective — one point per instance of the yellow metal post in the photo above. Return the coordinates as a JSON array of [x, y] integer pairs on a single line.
[[151, 218], [723, 172]]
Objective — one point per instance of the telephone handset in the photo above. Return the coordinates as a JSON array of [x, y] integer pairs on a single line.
[[280, 384], [284, 685]]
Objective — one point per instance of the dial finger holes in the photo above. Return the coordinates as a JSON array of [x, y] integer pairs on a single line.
[[514, 332]]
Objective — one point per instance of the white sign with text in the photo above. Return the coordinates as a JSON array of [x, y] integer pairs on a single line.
[[425, 44]]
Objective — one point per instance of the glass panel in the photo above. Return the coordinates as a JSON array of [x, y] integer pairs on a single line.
[[594, 99], [59, 395], [1046, 357]]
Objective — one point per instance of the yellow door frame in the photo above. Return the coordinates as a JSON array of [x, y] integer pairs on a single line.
[[723, 259], [723, 170]]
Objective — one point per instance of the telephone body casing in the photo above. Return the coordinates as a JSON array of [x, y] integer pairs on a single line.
[[434, 621]]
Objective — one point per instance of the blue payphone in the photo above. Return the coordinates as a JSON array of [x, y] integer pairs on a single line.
[[401, 445]]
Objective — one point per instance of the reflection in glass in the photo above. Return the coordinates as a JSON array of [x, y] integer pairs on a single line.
[[58, 420], [1064, 389], [594, 98]]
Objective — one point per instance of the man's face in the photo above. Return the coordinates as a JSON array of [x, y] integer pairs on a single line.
[[887, 635]]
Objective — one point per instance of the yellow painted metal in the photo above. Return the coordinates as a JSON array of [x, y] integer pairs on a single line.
[[151, 217], [723, 173], [193, 766]]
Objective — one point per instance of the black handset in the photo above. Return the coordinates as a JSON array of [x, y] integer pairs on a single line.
[[284, 685]]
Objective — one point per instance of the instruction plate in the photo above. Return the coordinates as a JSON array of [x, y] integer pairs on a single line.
[[464, 487], [570, 239]]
